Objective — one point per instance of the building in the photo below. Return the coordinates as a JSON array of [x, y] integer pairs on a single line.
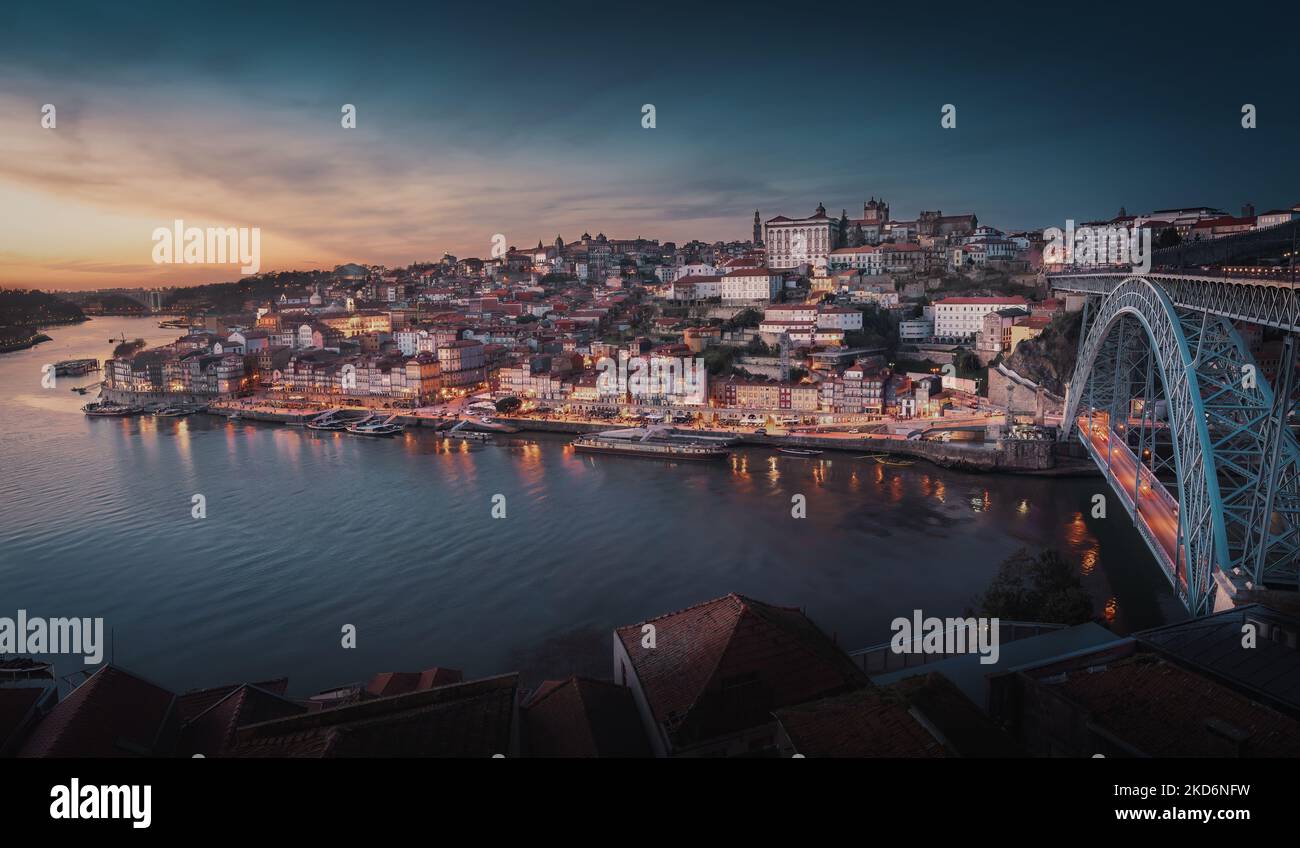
[[792, 242], [915, 330], [462, 363], [865, 258], [963, 317], [706, 679], [751, 285]]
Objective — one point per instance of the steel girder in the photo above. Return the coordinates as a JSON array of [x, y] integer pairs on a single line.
[[1271, 303], [1229, 475]]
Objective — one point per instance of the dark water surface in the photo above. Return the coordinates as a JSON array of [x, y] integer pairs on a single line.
[[306, 532]]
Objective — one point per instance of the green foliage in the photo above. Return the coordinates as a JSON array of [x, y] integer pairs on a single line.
[[719, 360], [746, 318], [509, 404], [1042, 587], [1168, 237]]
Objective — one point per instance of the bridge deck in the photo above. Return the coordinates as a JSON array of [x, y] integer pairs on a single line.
[[1154, 511]]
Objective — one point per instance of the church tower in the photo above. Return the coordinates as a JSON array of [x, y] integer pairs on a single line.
[[758, 230]]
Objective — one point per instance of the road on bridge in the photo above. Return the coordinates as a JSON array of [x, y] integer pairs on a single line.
[[1156, 508]]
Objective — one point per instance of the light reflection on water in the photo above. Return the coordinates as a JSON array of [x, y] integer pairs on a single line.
[[307, 531]]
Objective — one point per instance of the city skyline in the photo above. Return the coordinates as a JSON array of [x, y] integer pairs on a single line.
[[161, 116]]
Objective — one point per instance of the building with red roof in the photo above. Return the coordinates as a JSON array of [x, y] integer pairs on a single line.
[[707, 678]]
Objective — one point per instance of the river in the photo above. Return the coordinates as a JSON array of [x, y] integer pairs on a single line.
[[306, 532]]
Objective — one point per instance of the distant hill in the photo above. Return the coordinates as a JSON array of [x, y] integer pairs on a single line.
[[230, 297], [23, 308]]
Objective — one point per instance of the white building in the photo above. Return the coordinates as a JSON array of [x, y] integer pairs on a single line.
[[917, 330], [963, 317], [751, 284], [839, 318], [867, 259], [791, 242]]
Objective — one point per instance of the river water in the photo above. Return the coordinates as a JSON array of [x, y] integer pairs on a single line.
[[306, 532]]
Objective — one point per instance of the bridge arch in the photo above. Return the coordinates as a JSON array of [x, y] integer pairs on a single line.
[[1218, 422]]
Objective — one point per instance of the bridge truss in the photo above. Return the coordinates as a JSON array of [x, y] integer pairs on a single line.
[[1163, 366]]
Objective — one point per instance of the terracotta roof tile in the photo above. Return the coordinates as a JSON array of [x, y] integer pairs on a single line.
[[114, 713], [581, 717], [726, 664]]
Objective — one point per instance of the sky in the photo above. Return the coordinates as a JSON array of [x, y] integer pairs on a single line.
[[475, 119]]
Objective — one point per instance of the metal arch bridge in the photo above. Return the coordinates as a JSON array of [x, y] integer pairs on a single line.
[[1170, 404]]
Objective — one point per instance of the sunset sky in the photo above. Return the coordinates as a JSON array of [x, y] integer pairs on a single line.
[[525, 120]]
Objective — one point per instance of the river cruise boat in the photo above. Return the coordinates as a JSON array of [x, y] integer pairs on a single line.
[[108, 409], [650, 446]]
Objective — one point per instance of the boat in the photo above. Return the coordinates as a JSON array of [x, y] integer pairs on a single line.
[[374, 425], [799, 452], [16, 668], [330, 421], [649, 446], [75, 367], [895, 463], [459, 432], [467, 435], [234, 416], [108, 409]]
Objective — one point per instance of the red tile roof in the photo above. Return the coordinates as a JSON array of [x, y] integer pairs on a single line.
[[114, 713], [976, 301], [864, 723], [473, 719], [212, 732], [724, 665], [1164, 709], [189, 705], [581, 717], [400, 682]]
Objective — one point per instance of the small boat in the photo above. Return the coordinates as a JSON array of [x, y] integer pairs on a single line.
[[234, 416], [895, 463], [172, 412], [799, 452], [331, 421], [467, 435], [375, 426]]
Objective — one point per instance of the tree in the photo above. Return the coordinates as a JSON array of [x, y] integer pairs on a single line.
[[1042, 587], [509, 404], [1168, 238]]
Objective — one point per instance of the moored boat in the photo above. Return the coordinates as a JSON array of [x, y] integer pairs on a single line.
[[649, 449], [805, 452], [108, 409], [330, 421], [75, 367], [374, 425]]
